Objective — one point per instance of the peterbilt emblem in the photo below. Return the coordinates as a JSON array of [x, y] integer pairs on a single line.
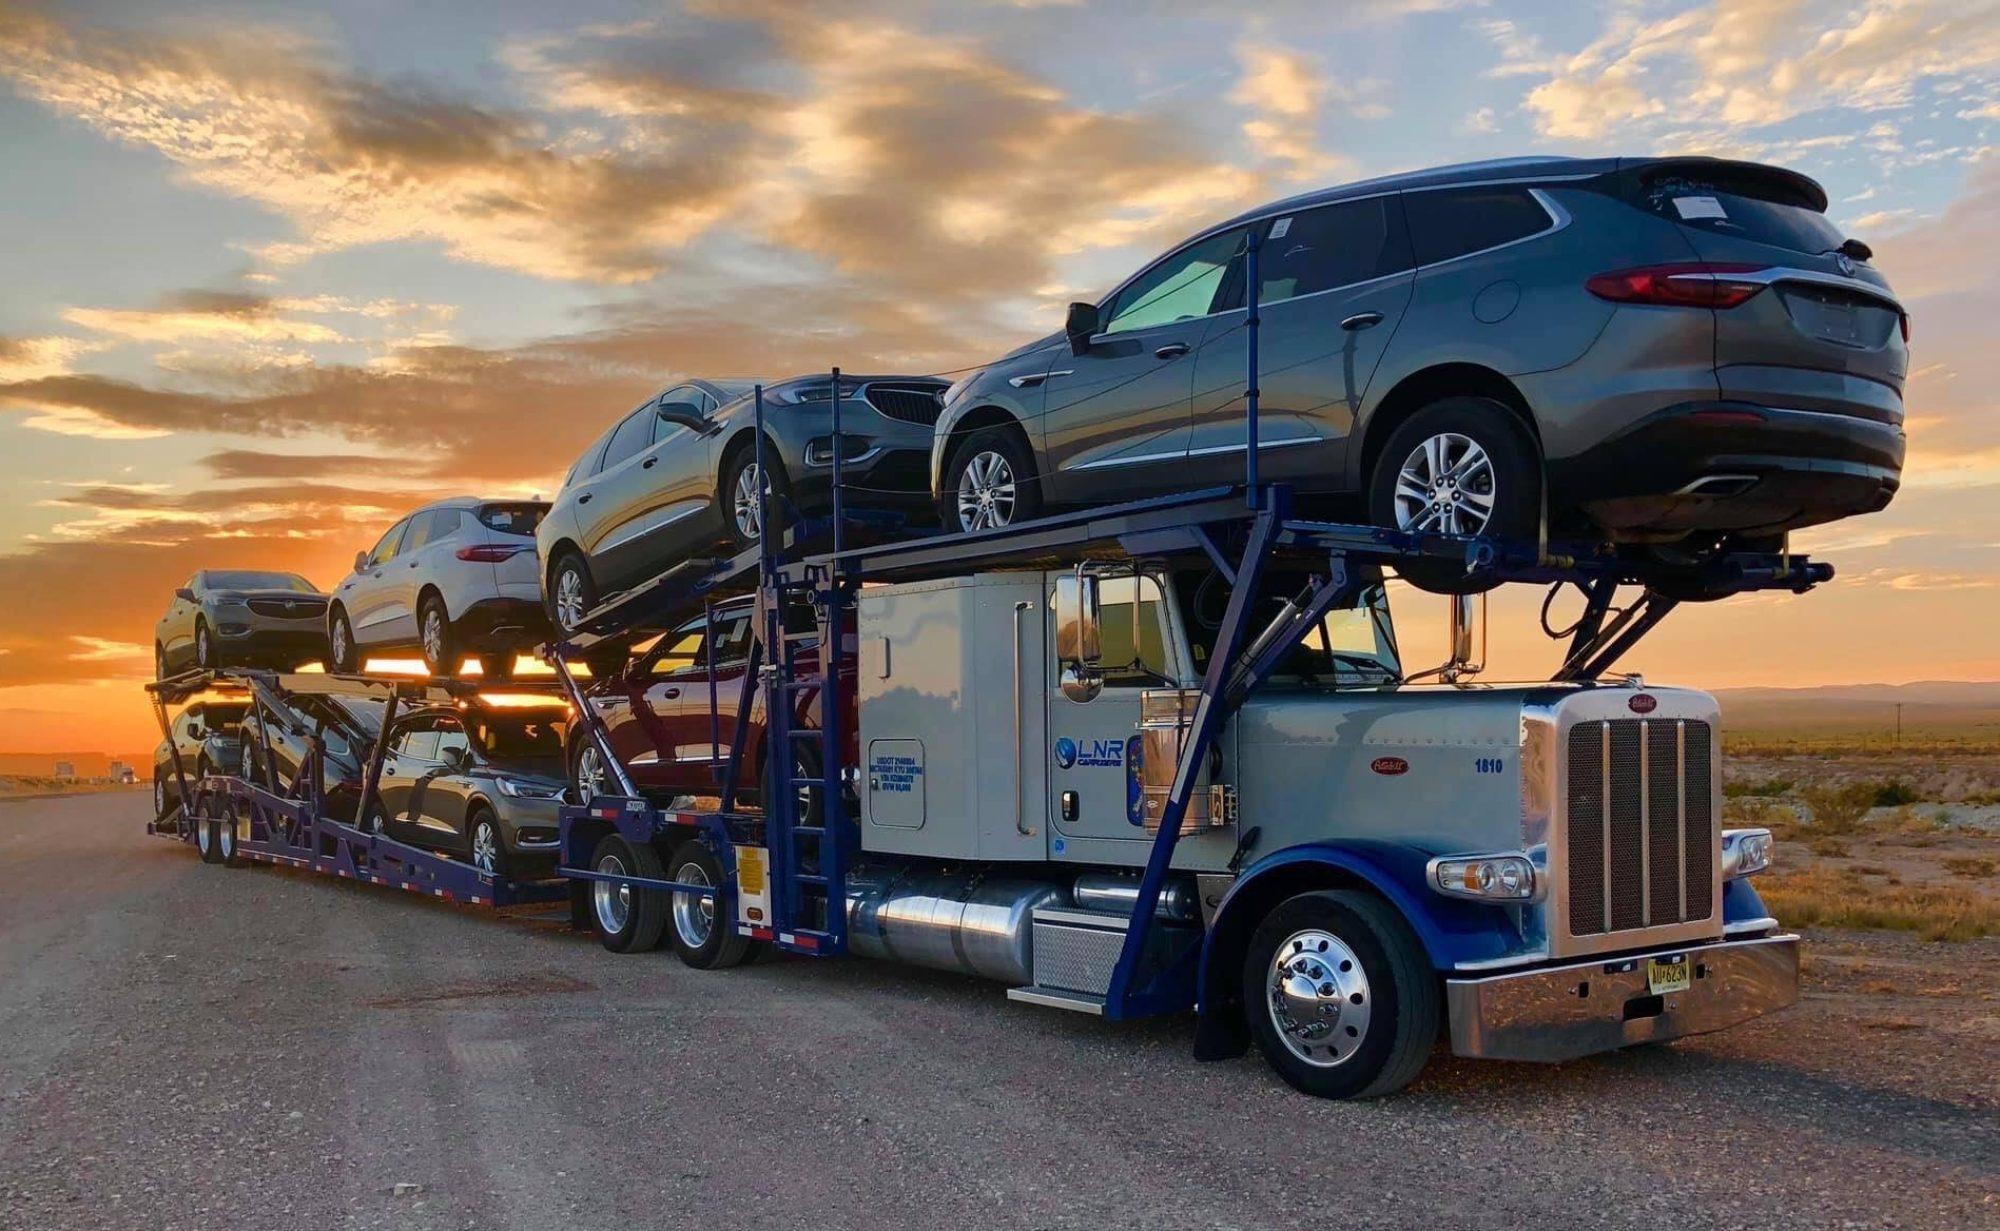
[[1846, 265], [1389, 765], [1643, 703]]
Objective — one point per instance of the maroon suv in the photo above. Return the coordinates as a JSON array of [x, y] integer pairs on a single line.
[[671, 737]]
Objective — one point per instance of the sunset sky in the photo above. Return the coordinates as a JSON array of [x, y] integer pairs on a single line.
[[271, 275]]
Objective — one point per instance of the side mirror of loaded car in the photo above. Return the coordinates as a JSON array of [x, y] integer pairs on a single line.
[[197, 731], [360, 561], [686, 414], [455, 759], [1080, 326], [184, 594], [1078, 643]]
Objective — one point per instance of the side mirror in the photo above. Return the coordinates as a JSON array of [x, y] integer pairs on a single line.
[[1464, 663], [1081, 325], [455, 759], [1078, 646], [686, 414], [184, 594], [360, 561], [197, 731]]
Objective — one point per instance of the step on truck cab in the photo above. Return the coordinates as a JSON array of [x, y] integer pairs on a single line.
[[1537, 870]]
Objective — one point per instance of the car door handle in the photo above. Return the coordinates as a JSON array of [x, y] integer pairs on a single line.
[[1361, 320], [671, 693], [583, 499], [413, 564], [1172, 350], [648, 463]]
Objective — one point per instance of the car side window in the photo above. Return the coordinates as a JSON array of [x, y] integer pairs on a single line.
[[385, 549], [731, 640], [420, 532], [417, 744], [451, 735], [1185, 285], [1132, 631], [632, 437], [1454, 222], [1332, 246], [681, 649]]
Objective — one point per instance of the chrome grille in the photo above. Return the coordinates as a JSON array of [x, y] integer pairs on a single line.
[[1640, 834], [289, 608], [909, 403]]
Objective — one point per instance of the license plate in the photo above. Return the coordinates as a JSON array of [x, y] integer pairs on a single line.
[[1667, 974]]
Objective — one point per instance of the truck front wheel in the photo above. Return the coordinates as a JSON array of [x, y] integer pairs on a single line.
[[1340, 997]]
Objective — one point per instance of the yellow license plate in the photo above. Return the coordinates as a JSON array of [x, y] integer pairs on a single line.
[[1667, 974]]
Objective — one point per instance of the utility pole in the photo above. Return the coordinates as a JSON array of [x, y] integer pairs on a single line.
[[1899, 724]]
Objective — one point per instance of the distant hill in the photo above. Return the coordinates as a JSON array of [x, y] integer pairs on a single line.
[[1936, 706], [88, 764]]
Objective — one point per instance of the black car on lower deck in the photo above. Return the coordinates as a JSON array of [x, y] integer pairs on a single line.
[[277, 745], [678, 475], [208, 735]]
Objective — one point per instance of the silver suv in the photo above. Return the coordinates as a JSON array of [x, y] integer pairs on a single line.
[[1676, 351], [454, 578]]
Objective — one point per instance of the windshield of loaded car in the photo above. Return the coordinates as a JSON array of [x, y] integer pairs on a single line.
[[223, 719], [533, 735], [252, 579]]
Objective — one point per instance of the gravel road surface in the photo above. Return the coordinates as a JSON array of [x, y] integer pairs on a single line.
[[188, 1046]]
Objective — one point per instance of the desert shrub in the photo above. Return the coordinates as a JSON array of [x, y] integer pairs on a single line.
[[1839, 808], [1895, 793], [1768, 788], [1976, 866], [1828, 897], [1828, 848]]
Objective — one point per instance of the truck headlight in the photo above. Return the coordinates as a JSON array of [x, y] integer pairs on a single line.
[[1484, 878], [1745, 852]]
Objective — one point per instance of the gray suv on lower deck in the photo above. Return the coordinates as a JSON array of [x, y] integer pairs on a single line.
[[1674, 351]]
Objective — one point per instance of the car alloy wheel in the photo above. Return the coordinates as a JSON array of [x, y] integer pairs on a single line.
[[434, 638], [569, 597], [486, 848], [986, 492], [745, 505], [204, 653], [1445, 485], [159, 795], [1318, 998], [590, 776]]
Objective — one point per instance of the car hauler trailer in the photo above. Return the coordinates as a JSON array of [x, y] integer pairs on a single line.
[[1253, 812], [261, 817]]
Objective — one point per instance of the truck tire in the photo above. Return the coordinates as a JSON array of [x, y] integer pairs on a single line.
[[704, 938], [228, 829], [1340, 996], [629, 919]]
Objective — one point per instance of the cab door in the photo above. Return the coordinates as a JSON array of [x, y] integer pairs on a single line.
[[1333, 285], [1090, 742]]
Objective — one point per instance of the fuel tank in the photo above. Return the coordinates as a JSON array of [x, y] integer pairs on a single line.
[[971, 922]]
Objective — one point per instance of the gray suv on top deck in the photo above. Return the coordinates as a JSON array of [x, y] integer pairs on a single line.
[[677, 476], [1676, 350]]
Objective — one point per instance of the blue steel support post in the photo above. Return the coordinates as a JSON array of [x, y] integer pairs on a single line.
[[1252, 323], [837, 451], [1125, 997]]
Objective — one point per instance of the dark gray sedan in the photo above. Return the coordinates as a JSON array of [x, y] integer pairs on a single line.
[[677, 476], [1675, 351]]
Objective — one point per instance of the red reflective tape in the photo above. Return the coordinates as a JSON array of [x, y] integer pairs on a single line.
[[761, 933], [806, 942]]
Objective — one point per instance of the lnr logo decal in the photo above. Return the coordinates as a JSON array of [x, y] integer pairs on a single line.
[[1089, 753]]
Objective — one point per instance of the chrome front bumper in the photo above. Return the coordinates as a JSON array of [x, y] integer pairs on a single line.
[[1563, 1012]]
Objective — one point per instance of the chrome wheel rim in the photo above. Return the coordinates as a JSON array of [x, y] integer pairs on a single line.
[[203, 837], [569, 598], [201, 647], [225, 832], [749, 519], [1318, 998], [589, 775], [159, 795], [340, 646], [613, 902], [986, 492], [1445, 485], [694, 916], [485, 848], [434, 638]]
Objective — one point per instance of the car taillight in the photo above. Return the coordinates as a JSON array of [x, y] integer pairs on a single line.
[[1693, 284], [492, 553]]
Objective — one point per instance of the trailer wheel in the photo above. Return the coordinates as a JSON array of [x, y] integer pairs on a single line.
[[207, 830], [629, 919], [1341, 999], [703, 937], [227, 830]]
